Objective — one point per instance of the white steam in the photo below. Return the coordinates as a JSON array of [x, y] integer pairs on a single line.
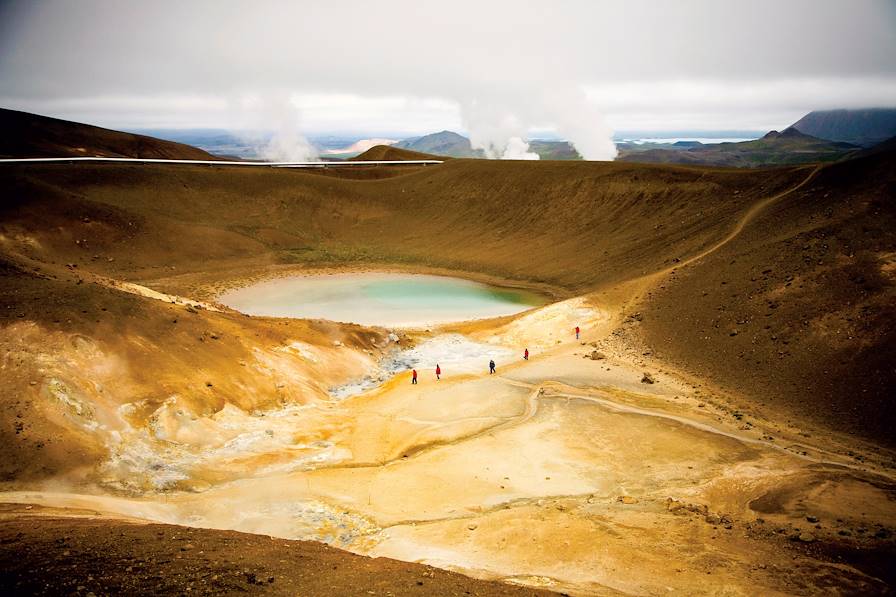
[[288, 145], [498, 123], [272, 124], [518, 149]]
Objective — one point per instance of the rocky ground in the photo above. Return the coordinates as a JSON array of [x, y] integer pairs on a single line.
[[50, 552]]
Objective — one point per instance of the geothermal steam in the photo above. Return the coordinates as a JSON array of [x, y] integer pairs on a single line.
[[498, 122], [277, 113]]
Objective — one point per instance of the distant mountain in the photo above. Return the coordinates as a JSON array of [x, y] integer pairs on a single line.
[[554, 150], [449, 143], [789, 146], [33, 136], [859, 127], [446, 143]]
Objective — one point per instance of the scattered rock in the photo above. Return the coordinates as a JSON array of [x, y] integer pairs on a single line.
[[627, 499], [472, 527], [596, 355], [713, 519], [648, 378], [812, 518], [807, 537], [679, 507]]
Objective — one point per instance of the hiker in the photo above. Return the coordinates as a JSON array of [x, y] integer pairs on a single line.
[[577, 332], [413, 376], [438, 372], [491, 366], [526, 355]]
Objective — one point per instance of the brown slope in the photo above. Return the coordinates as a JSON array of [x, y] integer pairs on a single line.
[[797, 310], [32, 136], [395, 154], [572, 225], [59, 552]]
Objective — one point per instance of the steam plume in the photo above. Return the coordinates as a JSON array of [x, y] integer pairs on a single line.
[[498, 122]]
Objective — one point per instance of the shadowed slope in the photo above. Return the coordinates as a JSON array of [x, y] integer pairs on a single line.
[[797, 310], [31, 136], [109, 556]]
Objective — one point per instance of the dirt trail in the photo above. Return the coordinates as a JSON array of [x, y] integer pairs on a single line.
[[748, 217]]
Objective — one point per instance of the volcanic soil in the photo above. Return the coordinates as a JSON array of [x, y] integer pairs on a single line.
[[722, 424]]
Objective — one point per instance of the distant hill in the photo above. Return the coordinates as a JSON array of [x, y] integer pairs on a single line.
[[390, 152], [449, 143], [865, 128], [554, 150], [774, 149], [445, 143], [33, 136]]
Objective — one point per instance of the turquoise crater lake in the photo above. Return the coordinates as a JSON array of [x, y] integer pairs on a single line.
[[383, 299]]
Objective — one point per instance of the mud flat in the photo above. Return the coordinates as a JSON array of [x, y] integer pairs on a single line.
[[562, 472]]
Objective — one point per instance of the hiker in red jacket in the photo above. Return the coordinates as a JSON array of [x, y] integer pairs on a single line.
[[526, 355], [413, 376], [577, 332], [438, 372]]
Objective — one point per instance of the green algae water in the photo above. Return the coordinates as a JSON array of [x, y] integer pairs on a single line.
[[384, 299]]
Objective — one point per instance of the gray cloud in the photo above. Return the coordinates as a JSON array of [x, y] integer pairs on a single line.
[[507, 66]]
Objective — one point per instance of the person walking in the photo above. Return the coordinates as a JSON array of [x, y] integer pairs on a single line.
[[491, 366], [438, 372], [413, 376], [577, 332], [526, 355]]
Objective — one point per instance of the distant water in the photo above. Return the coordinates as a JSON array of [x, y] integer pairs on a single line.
[[389, 300], [704, 140]]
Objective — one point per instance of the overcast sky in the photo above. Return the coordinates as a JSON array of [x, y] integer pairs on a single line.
[[407, 67]]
